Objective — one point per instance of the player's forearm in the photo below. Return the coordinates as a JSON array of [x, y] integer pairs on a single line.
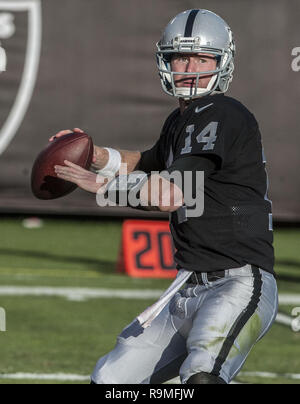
[[144, 191], [131, 158], [158, 194]]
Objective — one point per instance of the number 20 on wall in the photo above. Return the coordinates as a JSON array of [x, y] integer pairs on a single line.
[[147, 249]]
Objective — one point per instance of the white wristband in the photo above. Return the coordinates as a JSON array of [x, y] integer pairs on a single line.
[[113, 165]]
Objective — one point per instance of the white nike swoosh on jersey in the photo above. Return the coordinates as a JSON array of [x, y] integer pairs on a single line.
[[198, 109]]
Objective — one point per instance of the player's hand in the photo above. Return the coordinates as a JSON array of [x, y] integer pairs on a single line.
[[84, 179], [65, 132], [68, 132]]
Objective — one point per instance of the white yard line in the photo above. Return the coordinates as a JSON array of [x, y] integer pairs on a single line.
[[37, 376], [82, 378], [82, 294], [289, 300], [269, 375]]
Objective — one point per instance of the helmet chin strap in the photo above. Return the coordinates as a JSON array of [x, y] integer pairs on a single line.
[[186, 92]]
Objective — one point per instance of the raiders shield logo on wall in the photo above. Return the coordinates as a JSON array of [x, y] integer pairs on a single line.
[[2, 59], [20, 45]]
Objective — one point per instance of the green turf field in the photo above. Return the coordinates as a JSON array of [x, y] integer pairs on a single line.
[[50, 335]]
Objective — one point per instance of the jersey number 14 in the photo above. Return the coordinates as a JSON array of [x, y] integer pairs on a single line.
[[208, 136]]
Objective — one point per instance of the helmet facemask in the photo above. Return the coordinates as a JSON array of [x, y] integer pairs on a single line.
[[219, 82], [196, 32]]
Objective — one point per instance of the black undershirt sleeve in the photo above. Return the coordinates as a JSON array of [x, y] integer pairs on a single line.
[[152, 159], [192, 164], [205, 163]]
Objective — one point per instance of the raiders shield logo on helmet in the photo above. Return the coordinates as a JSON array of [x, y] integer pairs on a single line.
[[2, 59], [20, 44]]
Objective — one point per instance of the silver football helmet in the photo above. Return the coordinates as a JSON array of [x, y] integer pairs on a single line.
[[2, 59], [196, 31]]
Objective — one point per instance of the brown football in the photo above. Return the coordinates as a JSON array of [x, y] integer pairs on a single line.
[[75, 147]]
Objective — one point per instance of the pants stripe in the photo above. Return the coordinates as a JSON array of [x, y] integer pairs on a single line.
[[240, 322]]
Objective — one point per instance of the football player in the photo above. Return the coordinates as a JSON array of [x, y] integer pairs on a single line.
[[224, 299]]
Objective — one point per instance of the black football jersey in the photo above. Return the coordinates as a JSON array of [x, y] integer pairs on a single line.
[[218, 135]]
